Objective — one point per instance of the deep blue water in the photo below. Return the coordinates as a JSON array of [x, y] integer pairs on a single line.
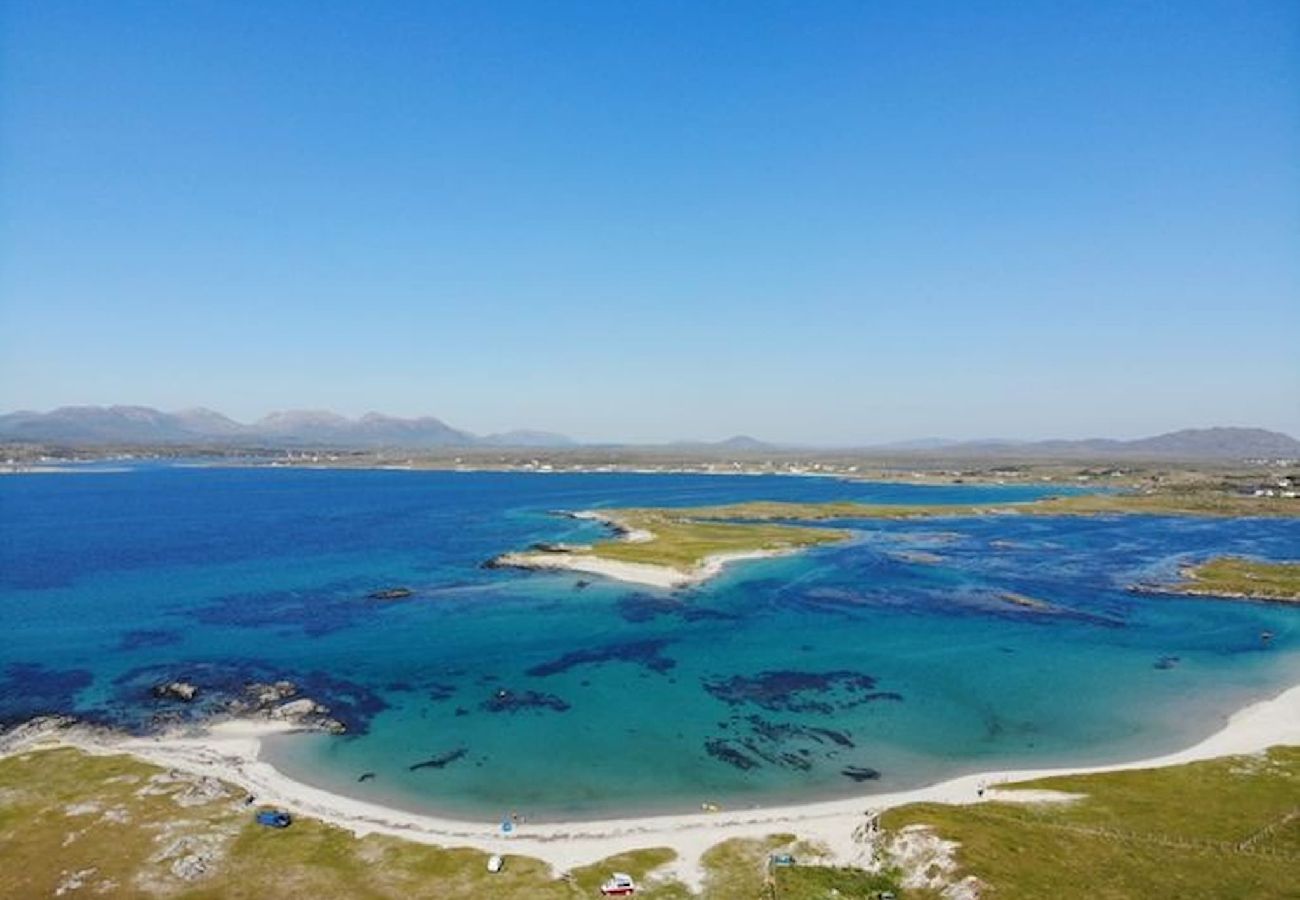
[[892, 658]]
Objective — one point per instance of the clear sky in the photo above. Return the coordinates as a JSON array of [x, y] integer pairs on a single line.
[[812, 221]]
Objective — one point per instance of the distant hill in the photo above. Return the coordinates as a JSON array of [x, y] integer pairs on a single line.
[[527, 438], [327, 429], [140, 425], [118, 425], [743, 442], [1188, 444], [145, 426]]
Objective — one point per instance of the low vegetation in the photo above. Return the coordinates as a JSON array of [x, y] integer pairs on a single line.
[[79, 825], [1223, 828], [684, 538], [683, 541], [1201, 502], [1233, 576], [109, 826]]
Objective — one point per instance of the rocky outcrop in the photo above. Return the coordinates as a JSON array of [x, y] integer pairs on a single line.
[[183, 691], [280, 701]]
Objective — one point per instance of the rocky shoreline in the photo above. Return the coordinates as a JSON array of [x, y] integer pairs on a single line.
[[178, 709]]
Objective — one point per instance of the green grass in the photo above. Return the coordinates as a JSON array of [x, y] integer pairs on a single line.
[[821, 882], [39, 797], [1173, 503], [1220, 829], [1157, 834], [683, 538], [683, 542], [1229, 575]]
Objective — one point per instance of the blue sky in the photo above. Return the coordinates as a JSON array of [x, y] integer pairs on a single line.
[[825, 222]]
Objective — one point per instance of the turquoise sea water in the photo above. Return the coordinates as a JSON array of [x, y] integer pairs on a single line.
[[891, 659]]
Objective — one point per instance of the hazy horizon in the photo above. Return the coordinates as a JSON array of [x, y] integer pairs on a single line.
[[615, 440], [840, 224]]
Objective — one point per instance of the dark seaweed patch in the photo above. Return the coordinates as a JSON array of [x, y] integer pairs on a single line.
[[723, 751], [786, 731], [787, 690], [439, 762], [316, 612], [639, 608], [645, 653], [516, 701], [754, 740], [148, 637], [31, 689], [439, 692], [860, 773], [644, 607]]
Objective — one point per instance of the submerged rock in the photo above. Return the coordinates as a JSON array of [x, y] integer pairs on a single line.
[[439, 762], [787, 690], [514, 701], [860, 773], [183, 691], [723, 751], [307, 712]]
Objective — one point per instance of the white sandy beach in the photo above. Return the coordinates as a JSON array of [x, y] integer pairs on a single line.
[[647, 574], [231, 750]]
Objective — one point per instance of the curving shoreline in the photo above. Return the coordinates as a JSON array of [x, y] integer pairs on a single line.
[[231, 751], [666, 569], [648, 574]]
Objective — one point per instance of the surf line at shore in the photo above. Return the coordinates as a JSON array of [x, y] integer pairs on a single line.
[[231, 751]]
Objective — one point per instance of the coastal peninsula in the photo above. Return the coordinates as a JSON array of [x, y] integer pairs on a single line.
[[671, 547], [1236, 578]]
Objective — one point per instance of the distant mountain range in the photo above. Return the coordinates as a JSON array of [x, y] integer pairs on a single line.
[[144, 426], [1189, 443]]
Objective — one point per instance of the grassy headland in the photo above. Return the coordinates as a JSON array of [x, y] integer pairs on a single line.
[[1223, 828], [1233, 576]]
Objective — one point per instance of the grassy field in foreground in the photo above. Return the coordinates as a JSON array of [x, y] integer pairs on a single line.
[[1226, 828], [1232, 575], [114, 827]]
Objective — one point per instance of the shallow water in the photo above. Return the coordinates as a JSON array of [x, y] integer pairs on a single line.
[[893, 658]]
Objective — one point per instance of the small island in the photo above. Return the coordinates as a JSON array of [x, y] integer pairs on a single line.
[[1237, 578], [674, 547], [669, 547]]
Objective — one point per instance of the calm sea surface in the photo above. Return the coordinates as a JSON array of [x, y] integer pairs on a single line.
[[885, 662]]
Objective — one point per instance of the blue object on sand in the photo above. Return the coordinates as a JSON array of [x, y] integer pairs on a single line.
[[274, 818]]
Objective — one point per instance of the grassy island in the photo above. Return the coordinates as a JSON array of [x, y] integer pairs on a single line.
[[669, 547], [1233, 576]]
